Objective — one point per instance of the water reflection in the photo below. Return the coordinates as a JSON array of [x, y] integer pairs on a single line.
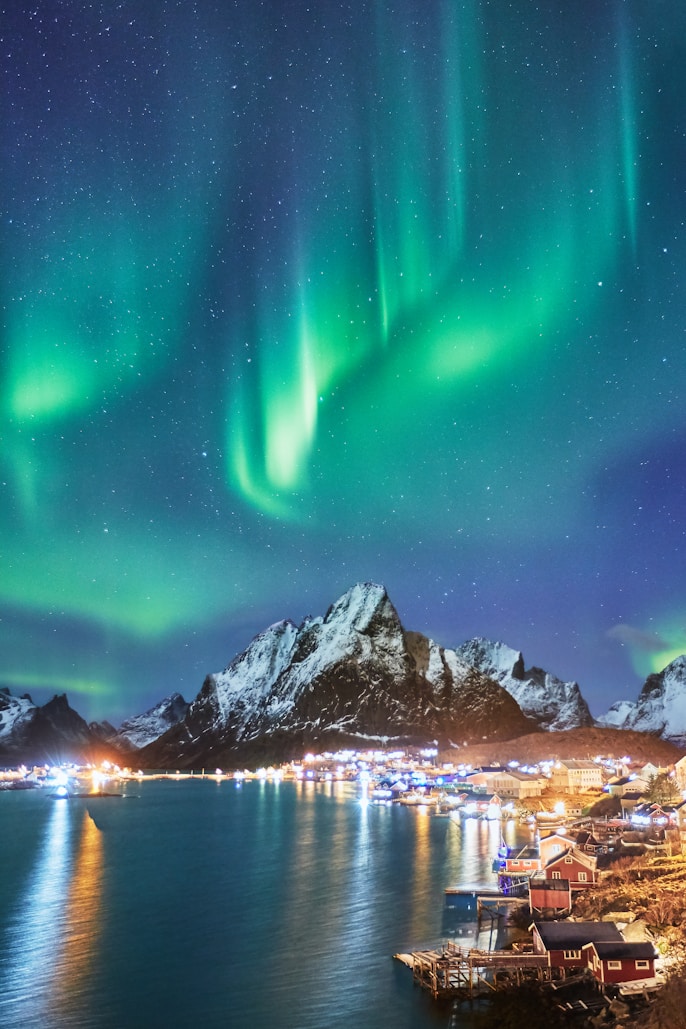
[[52, 934], [36, 929], [280, 905], [81, 921], [422, 881], [471, 844]]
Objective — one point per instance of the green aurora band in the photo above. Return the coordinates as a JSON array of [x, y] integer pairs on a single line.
[[313, 289]]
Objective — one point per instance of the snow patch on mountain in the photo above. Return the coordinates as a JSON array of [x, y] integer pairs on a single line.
[[617, 716], [556, 705], [661, 705], [16, 714], [141, 730]]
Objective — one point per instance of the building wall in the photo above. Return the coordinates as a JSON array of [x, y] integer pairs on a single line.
[[572, 870], [626, 973]]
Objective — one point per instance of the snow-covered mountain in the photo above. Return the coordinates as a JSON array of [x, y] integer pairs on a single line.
[[661, 705], [139, 731], [354, 676], [52, 733], [554, 704], [16, 715]]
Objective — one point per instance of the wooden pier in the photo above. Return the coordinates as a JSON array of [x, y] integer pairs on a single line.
[[455, 972]]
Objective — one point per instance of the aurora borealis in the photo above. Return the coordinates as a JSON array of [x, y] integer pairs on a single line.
[[297, 295]]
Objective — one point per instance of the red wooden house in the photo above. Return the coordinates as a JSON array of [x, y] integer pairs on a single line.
[[614, 962], [578, 868], [522, 862], [564, 942]]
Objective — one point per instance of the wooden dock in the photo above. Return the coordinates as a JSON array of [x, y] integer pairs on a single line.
[[455, 972]]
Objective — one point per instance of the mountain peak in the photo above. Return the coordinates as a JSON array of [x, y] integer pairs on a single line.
[[360, 605], [142, 729], [661, 704]]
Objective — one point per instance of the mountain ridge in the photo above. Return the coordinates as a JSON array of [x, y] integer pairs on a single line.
[[352, 677]]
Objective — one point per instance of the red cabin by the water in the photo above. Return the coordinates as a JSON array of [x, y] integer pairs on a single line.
[[564, 942], [614, 962]]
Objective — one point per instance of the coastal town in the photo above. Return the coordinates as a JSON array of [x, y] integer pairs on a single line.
[[590, 909]]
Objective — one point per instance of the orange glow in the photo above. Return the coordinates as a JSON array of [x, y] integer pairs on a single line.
[[81, 919]]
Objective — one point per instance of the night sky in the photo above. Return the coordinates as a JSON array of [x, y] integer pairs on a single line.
[[298, 294]]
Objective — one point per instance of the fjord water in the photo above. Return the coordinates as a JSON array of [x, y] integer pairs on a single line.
[[197, 904]]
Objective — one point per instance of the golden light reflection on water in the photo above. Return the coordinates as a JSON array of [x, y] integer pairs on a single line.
[[81, 920], [53, 933], [348, 858], [421, 865], [36, 930], [468, 839]]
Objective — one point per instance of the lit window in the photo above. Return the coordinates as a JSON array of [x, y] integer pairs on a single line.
[[572, 955]]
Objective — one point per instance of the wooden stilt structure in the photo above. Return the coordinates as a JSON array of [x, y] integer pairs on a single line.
[[454, 972]]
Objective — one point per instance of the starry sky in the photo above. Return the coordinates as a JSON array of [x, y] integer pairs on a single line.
[[300, 294]]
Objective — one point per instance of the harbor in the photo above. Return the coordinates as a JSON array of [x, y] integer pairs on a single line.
[[472, 960], [519, 934]]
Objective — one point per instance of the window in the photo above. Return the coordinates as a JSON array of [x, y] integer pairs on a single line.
[[583, 877], [557, 875], [568, 860], [614, 964], [572, 955], [643, 964]]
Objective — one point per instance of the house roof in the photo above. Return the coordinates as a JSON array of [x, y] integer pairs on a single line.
[[527, 853], [575, 935], [609, 950], [578, 855], [556, 836], [522, 776], [511, 773]]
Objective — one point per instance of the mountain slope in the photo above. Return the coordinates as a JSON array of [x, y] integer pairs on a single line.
[[52, 734], [661, 704], [16, 715], [584, 743], [556, 705], [139, 731]]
